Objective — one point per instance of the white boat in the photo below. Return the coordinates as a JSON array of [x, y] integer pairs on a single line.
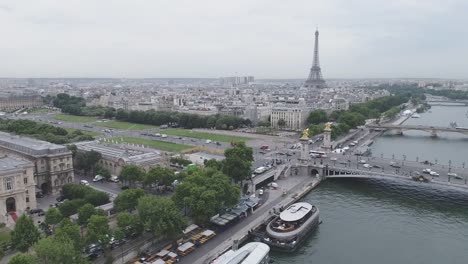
[[250, 253], [415, 116], [286, 231]]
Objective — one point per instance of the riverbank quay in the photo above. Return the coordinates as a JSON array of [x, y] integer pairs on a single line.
[[290, 190]]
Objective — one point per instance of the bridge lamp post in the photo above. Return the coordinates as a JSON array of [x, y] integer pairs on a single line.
[[436, 161], [417, 159], [404, 159], [463, 165], [450, 165], [393, 156]]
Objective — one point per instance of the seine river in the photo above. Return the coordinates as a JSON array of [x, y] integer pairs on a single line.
[[370, 222]]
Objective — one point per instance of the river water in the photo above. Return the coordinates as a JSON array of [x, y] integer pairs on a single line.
[[369, 221]]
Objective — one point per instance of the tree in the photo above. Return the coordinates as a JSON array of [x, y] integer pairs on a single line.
[[25, 233], [238, 162], [53, 216], [161, 216], [316, 129], [128, 199], [103, 172], [160, 175], [131, 174], [281, 123], [87, 161], [57, 250], [85, 212], [129, 223], [98, 230], [204, 192], [317, 116], [22, 258], [71, 231], [214, 164], [70, 207]]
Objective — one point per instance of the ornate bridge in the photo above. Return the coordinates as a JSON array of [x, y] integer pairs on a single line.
[[430, 129]]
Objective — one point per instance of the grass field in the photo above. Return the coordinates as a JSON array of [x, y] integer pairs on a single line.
[[91, 133], [193, 134], [125, 125], [75, 119], [162, 145]]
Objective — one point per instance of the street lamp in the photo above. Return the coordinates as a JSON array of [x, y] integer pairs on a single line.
[[393, 156], [404, 159], [450, 165]]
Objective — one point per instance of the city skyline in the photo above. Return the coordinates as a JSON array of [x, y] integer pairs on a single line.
[[269, 40]]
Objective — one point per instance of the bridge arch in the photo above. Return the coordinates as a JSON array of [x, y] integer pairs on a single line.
[[314, 172]]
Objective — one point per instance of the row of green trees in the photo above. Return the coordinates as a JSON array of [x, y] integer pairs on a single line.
[[184, 120], [357, 114], [42, 131]]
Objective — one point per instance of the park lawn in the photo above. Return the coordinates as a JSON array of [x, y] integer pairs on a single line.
[[75, 119], [5, 235], [202, 135], [86, 132], [124, 125], [162, 145]]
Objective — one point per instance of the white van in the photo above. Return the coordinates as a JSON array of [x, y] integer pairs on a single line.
[[208, 141], [98, 178], [260, 170]]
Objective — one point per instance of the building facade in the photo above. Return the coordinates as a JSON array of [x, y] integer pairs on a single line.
[[17, 188], [114, 157], [53, 164], [294, 117], [15, 102]]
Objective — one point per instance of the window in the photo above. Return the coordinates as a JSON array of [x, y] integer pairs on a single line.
[[27, 199], [42, 161], [68, 166], [25, 180], [55, 168], [61, 159], [56, 182], [8, 183]]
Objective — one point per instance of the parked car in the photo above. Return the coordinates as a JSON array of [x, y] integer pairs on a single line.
[[98, 178], [362, 161], [434, 174], [454, 175], [36, 211], [376, 166], [84, 182], [39, 195], [60, 198], [114, 179], [367, 166], [333, 158]]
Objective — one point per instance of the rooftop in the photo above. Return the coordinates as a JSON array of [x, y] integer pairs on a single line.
[[132, 156], [11, 163], [29, 145], [295, 212]]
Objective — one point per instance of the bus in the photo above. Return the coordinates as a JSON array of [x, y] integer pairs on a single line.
[[317, 154]]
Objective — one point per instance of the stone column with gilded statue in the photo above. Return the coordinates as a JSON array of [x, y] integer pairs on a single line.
[[304, 140], [327, 137]]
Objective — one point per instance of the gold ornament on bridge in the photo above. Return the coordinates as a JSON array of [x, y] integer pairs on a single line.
[[328, 126], [305, 133]]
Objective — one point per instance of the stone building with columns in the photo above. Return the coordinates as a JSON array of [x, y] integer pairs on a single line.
[[53, 164], [17, 188]]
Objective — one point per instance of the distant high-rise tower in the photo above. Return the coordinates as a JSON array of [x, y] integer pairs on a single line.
[[315, 79]]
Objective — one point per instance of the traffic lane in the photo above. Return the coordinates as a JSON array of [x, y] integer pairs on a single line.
[[402, 171], [111, 188]]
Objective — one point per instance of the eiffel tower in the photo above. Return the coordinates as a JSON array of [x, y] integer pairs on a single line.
[[315, 79]]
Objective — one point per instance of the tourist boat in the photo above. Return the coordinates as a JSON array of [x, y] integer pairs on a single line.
[[250, 253], [415, 115], [286, 231]]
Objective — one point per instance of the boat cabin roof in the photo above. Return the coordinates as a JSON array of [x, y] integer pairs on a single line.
[[295, 212]]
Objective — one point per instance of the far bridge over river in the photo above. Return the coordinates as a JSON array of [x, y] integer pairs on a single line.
[[430, 129]]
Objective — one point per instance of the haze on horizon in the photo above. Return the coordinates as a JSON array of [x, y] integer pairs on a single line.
[[208, 38]]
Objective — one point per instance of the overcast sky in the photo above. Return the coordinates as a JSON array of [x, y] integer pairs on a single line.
[[213, 38]]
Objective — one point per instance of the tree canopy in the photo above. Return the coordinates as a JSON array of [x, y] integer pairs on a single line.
[[161, 216], [128, 199], [131, 174], [23, 258], [204, 192], [238, 162], [25, 233], [317, 116], [98, 229]]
